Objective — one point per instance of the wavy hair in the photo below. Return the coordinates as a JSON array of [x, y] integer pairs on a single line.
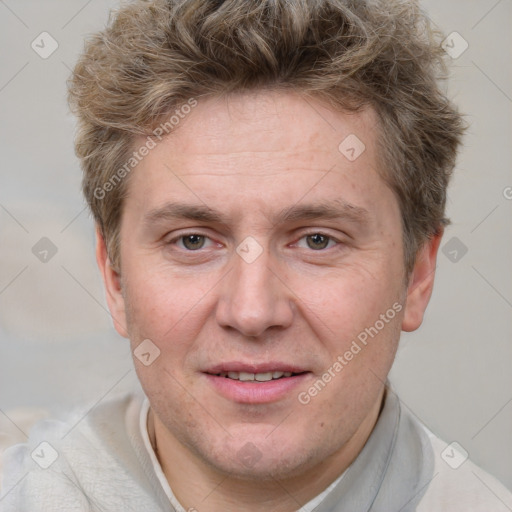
[[154, 56]]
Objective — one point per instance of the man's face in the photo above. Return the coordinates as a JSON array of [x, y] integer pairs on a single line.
[[251, 244]]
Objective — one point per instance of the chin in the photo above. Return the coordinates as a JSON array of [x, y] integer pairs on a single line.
[[256, 457]]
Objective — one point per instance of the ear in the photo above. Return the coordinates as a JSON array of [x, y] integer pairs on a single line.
[[421, 283], [112, 282]]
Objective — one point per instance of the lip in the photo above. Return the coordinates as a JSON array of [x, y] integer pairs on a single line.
[[249, 392], [236, 366]]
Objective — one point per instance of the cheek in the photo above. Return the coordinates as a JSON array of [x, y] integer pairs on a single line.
[[345, 302], [160, 302], [170, 319]]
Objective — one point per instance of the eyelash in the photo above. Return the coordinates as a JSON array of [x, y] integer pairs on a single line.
[[305, 235]]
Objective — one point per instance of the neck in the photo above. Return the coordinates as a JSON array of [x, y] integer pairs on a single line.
[[197, 485]]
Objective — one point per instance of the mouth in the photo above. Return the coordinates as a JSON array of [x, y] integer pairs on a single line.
[[255, 384], [257, 377]]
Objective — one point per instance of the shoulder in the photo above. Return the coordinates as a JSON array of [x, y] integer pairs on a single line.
[[459, 485], [90, 456]]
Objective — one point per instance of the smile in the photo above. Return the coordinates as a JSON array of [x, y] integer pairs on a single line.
[[256, 384], [256, 377]]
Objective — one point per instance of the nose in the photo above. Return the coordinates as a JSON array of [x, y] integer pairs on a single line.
[[253, 297]]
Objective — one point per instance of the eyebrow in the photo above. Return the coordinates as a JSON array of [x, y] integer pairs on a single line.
[[337, 209]]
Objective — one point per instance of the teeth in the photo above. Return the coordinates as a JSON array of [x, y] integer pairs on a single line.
[[263, 377], [258, 377]]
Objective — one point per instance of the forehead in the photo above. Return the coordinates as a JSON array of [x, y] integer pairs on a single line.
[[265, 149], [266, 122]]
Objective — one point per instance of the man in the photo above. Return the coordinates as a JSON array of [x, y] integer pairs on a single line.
[[268, 180]]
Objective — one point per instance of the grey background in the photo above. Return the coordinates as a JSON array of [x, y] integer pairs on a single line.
[[57, 345]]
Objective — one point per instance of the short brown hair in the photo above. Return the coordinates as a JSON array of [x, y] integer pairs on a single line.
[[156, 55]]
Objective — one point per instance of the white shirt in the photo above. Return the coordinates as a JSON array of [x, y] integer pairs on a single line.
[[106, 463]]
